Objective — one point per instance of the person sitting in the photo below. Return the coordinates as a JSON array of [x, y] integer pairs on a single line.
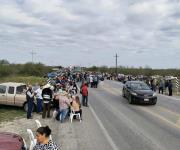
[[76, 106], [43, 142], [64, 104]]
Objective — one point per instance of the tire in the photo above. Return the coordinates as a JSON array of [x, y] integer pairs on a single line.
[[25, 107], [123, 94], [154, 102], [130, 100]]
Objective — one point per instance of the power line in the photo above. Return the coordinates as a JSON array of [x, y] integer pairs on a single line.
[[116, 56]]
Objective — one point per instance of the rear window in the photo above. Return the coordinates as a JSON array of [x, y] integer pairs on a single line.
[[11, 90], [2, 89], [21, 89]]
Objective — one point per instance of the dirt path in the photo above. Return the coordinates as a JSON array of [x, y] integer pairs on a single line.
[[69, 136]]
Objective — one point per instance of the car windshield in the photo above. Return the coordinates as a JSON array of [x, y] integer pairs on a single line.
[[139, 86]]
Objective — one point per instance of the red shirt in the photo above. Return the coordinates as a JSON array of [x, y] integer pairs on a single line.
[[85, 90]]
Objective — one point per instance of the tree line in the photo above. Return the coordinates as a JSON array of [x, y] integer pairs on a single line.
[[27, 69], [136, 71]]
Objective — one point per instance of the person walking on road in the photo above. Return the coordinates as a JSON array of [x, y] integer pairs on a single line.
[[84, 92], [170, 86], [30, 101], [39, 99]]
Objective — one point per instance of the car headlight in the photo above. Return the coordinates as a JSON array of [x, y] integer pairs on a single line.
[[154, 94], [133, 93]]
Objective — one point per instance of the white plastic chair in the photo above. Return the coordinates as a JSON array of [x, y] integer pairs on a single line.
[[38, 124], [33, 141], [72, 114]]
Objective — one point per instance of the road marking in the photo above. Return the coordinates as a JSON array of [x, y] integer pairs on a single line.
[[106, 134], [160, 117], [131, 124], [111, 90], [168, 97], [178, 122], [169, 111]]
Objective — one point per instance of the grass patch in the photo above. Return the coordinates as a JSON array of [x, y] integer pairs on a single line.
[[8, 113], [27, 80]]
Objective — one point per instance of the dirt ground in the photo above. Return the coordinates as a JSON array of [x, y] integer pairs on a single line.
[[69, 136], [20, 125]]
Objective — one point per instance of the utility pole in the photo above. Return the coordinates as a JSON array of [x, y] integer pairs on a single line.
[[33, 53], [116, 56]]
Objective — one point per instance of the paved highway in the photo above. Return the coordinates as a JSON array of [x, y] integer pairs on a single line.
[[135, 127]]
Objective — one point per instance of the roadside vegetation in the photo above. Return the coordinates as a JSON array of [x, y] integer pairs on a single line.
[[24, 79], [28, 73], [147, 71], [8, 113]]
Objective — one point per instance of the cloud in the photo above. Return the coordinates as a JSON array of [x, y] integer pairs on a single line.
[[92, 29]]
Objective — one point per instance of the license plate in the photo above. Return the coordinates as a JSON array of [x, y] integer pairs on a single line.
[[146, 100]]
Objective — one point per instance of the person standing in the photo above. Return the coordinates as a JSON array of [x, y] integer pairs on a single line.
[[161, 87], [84, 92], [170, 86], [39, 99], [47, 94], [95, 80], [30, 101], [91, 80]]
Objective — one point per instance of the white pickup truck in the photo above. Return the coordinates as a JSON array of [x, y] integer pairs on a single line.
[[13, 94]]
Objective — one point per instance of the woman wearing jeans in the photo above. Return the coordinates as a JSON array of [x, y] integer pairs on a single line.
[[64, 104]]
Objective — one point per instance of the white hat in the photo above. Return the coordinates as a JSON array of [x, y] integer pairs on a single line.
[[47, 86]]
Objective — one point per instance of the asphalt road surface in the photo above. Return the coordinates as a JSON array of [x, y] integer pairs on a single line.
[[135, 127]]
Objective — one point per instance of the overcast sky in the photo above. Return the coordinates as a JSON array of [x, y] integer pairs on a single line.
[[91, 32]]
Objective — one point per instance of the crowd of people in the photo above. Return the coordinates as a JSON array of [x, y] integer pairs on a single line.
[[62, 94], [161, 86], [57, 99]]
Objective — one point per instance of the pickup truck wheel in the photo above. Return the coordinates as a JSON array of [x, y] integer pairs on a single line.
[[25, 106]]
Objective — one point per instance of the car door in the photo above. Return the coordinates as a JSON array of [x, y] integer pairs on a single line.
[[10, 95], [3, 95], [20, 97]]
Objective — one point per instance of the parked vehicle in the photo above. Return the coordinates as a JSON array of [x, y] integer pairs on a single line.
[[101, 77], [11, 141], [139, 92], [52, 75], [13, 94]]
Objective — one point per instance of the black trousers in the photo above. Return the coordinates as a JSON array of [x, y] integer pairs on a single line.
[[46, 110], [170, 92], [161, 90], [30, 108], [85, 100]]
